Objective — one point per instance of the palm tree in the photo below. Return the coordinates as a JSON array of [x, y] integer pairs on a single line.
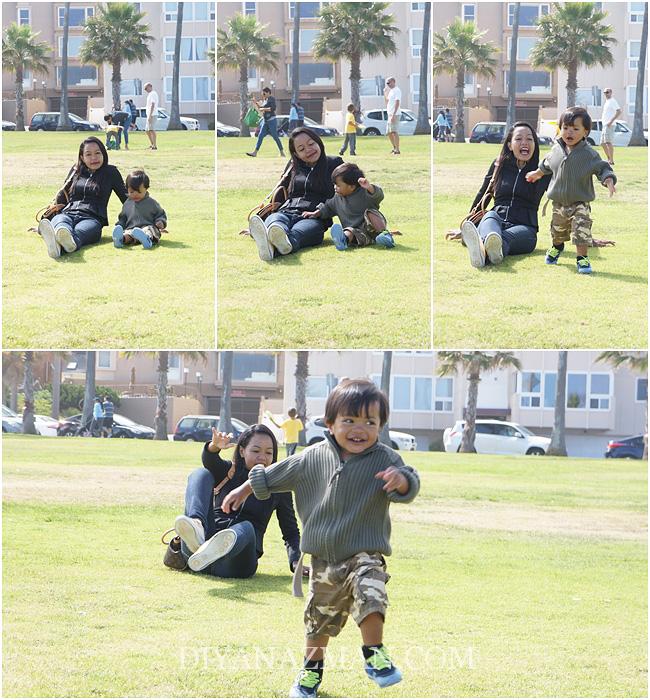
[[473, 363], [637, 138], [175, 116], [242, 46], [115, 35], [558, 441], [512, 74], [423, 126], [573, 35], [386, 366], [302, 375], [89, 390], [20, 52], [28, 392], [635, 361], [295, 54], [352, 30], [64, 118], [225, 414], [12, 371], [459, 52]]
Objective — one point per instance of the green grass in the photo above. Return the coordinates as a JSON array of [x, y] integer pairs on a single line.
[[524, 303], [479, 605], [319, 297], [101, 296]]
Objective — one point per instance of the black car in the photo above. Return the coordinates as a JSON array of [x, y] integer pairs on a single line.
[[123, 427], [48, 121], [630, 448], [226, 130], [199, 428], [283, 127]]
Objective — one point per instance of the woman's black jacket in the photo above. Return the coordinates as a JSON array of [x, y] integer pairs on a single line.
[[309, 187], [90, 192]]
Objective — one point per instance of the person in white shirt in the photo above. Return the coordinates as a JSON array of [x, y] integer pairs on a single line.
[[152, 115], [611, 112], [393, 97]]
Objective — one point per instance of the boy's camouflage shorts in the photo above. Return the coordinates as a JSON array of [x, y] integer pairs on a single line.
[[356, 585], [571, 222], [374, 222]]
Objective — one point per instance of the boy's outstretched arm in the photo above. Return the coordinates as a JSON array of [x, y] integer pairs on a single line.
[[395, 480], [402, 482], [534, 175], [236, 497], [311, 214]]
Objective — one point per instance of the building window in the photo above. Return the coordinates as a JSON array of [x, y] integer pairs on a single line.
[[371, 87], [254, 367], [529, 14], [631, 97], [79, 76], [525, 45], [469, 84], [530, 82], [636, 12], [249, 8], [415, 88], [576, 391], [192, 11], [104, 359], [415, 42], [642, 389], [132, 87], [469, 13], [74, 45], [550, 381], [307, 39], [77, 15], [633, 51], [307, 9], [315, 74], [599, 393], [401, 394], [530, 389], [589, 97], [443, 400], [27, 80], [192, 48], [252, 78], [317, 388], [24, 16], [422, 393], [417, 6]]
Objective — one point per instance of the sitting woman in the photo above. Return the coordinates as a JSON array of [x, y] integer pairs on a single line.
[[308, 180], [510, 227], [230, 545], [84, 197]]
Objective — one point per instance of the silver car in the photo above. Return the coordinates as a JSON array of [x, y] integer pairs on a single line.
[[374, 122]]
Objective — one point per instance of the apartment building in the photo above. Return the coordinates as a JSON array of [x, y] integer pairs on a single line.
[[43, 91], [324, 86]]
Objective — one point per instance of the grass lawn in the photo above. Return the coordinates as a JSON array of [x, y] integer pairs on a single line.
[[319, 297], [524, 303], [510, 577], [101, 296]]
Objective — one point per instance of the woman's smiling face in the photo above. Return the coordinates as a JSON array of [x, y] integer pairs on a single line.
[[306, 149], [92, 156], [522, 144]]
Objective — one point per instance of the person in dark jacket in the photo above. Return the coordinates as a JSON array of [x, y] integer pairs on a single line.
[[227, 545], [308, 179], [88, 186], [510, 227]]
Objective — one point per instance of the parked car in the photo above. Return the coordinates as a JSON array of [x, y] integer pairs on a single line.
[[48, 121], [374, 122], [199, 428], [11, 421], [123, 427], [495, 132], [630, 447], [188, 123], [46, 425], [226, 130], [622, 133], [8, 126], [315, 429], [283, 127], [497, 437]]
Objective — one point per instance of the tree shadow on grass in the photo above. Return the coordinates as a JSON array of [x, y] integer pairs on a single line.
[[251, 589]]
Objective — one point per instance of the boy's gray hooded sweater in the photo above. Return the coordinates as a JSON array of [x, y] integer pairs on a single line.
[[146, 212], [350, 209]]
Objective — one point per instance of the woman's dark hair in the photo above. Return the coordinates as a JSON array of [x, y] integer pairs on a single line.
[[354, 397], [506, 154], [247, 436], [266, 91], [569, 116], [86, 142], [348, 172], [136, 178], [320, 169]]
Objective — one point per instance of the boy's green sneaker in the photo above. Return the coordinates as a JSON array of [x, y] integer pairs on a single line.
[[584, 266], [552, 254], [380, 668], [306, 684]]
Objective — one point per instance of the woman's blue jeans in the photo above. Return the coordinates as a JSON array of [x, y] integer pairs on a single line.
[[301, 233], [517, 239], [125, 130], [85, 231], [269, 126], [241, 561]]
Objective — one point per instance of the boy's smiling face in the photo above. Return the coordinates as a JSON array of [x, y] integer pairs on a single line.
[[343, 188], [354, 434], [137, 195], [572, 134]]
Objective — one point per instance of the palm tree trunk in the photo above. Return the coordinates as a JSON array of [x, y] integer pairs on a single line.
[[386, 366], [295, 54], [637, 138], [302, 374], [175, 116], [56, 386], [355, 81], [20, 108], [116, 79], [571, 84], [28, 391], [89, 391], [469, 431], [13, 399], [423, 126], [460, 115], [512, 76], [558, 441], [243, 99], [160, 421], [225, 414], [64, 119]]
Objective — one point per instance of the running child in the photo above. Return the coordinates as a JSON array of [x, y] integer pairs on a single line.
[[291, 427], [142, 219], [351, 127]]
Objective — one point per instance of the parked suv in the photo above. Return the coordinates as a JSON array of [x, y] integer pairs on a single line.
[[48, 121], [374, 122], [315, 432], [630, 447], [199, 428], [162, 122], [497, 437], [622, 133]]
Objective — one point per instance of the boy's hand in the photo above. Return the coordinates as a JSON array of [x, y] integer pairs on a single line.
[[609, 184], [310, 214], [236, 497], [160, 225], [220, 441], [395, 480], [534, 176], [363, 182]]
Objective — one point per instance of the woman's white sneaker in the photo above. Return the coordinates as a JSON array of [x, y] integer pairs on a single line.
[[216, 547], [472, 240], [257, 229], [46, 230], [279, 239], [494, 248], [191, 531], [65, 240]]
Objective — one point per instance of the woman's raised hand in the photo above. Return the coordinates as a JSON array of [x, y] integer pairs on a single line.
[[220, 441]]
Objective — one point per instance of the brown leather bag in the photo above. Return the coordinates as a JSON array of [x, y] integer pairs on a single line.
[[52, 209], [275, 199], [481, 209]]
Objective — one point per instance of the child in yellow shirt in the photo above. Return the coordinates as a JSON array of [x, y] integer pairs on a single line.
[[350, 132], [291, 427]]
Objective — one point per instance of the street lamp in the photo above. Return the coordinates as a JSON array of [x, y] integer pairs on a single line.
[[44, 85], [34, 87], [273, 86], [185, 374], [261, 84], [199, 379], [478, 95]]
